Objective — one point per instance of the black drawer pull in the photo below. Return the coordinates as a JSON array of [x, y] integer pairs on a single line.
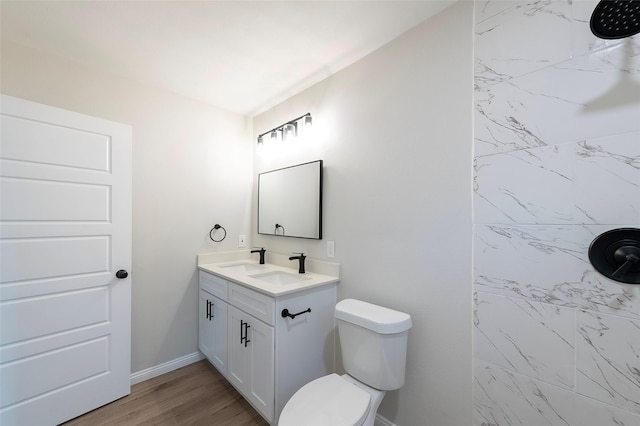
[[244, 328], [209, 310]]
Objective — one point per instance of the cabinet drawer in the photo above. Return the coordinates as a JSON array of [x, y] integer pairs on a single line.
[[214, 285], [257, 304]]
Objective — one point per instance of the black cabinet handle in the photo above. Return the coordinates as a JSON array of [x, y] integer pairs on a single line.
[[209, 310], [285, 313], [244, 328]]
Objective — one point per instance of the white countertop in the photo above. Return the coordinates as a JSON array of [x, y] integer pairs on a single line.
[[248, 279]]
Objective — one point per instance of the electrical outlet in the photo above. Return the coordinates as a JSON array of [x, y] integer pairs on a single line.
[[241, 240], [331, 248]]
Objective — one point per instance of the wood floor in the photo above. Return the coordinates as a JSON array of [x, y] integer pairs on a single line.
[[193, 395]]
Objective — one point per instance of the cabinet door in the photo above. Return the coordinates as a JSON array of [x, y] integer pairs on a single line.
[[205, 325], [213, 330], [219, 351], [261, 368], [251, 360], [237, 368]]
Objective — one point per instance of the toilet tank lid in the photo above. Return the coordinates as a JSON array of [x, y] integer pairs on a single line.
[[376, 318]]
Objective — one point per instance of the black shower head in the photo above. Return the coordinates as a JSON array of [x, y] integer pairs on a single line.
[[613, 19]]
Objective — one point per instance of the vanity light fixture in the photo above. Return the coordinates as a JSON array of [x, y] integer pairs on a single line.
[[288, 129]]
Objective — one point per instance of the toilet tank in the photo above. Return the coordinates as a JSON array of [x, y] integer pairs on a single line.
[[373, 340]]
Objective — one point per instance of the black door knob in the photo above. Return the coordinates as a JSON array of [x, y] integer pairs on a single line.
[[121, 274]]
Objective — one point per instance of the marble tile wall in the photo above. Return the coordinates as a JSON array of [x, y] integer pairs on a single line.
[[557, 162]]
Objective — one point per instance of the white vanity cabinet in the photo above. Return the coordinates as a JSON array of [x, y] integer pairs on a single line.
[[269, 357]]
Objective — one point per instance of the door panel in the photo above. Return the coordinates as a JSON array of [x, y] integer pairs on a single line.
[[65, 229], [17, 316], [35, 199], [20, 289], [36, 258], [49, 143], [31, 376]]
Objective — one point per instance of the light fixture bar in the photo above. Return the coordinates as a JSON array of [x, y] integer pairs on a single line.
[[281, 127]]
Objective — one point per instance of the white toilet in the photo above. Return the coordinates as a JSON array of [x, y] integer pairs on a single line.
[[374, 352]]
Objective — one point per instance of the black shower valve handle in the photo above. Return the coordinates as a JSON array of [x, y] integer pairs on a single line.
[[616, 254], [630, 260]]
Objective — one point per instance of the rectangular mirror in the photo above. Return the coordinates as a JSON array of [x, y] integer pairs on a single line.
[[290, 201]]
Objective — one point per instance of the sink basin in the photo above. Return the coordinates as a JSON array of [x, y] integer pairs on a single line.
[[280, 278], [242, 268]]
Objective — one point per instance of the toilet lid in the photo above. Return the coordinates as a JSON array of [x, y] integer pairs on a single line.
[[329, 400]]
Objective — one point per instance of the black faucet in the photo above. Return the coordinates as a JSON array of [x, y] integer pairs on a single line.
[[261, 250], [300, 258]]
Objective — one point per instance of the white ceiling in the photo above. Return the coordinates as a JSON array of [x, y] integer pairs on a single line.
[[242, 56]]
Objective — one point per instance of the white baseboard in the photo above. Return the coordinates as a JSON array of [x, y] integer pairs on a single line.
[[158, 370], [381, 421]]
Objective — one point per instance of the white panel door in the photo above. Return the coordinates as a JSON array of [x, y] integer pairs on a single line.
[[65, 230]]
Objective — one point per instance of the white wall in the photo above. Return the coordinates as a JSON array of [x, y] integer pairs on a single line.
[[192, 168], [394, 131], [557, 145]]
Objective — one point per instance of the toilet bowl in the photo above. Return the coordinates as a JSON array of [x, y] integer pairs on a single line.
[[374, 342], [332, 400]]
